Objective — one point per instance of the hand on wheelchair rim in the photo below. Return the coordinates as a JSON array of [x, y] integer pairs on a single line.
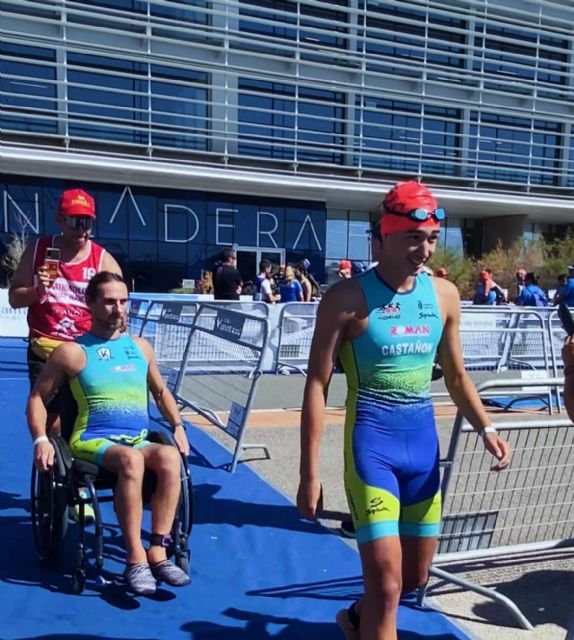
[[44, 456]]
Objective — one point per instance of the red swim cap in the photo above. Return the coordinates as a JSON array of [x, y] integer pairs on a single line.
[[401, 200]]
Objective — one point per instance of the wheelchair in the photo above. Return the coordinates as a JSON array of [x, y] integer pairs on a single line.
[[54, 491]]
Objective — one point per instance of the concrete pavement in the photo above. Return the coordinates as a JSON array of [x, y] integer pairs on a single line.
[[541, 584]]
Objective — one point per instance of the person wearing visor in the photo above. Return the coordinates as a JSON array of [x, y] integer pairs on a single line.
[[51, 281], [385, 327]]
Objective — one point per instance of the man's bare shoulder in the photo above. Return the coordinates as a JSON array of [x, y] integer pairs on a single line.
[[144, 346], [68, 355], [446, 292], [344, 297]]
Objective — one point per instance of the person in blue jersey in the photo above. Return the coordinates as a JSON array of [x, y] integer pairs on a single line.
[[290, 289], [566, 291], [385, 326], [110, 374], [531, 294]]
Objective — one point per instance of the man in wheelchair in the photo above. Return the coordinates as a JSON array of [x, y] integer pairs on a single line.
[[109, 374]]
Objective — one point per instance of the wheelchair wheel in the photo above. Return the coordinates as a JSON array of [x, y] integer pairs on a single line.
[[183, 522], [49, 513]]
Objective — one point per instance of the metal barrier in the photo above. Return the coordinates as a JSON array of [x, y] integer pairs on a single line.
[[220, 369], [501, 338], [525, 508], [556, 335], [296, 327], [166, 326]]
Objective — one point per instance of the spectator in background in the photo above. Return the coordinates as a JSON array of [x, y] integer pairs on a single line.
[[500, 295], [566, 292], [302, 277], [262, 285], [484, 292], [227, 281], [441, 273], [316, 289], [562, 281], [205, 285], [345, 268], [531, 294], [290, 290], [520, 276]]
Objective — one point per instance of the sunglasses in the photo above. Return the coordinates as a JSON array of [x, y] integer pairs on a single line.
[[78, 222], [419, 215]]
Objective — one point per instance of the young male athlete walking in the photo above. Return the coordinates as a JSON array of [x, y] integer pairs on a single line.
[[385, 327]]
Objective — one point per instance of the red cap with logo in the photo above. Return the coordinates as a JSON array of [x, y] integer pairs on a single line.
[[401, 200], [76, 202]]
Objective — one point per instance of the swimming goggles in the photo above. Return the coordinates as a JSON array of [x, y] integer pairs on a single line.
[[419, 215]]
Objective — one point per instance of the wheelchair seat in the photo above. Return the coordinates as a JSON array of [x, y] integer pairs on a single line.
[[55, 490]]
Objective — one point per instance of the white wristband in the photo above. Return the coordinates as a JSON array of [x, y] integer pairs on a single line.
[[41, 439], [486, 430]]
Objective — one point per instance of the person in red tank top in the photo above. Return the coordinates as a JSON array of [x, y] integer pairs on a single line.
[[57, 310]]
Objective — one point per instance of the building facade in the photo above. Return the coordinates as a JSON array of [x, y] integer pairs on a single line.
[[277, 125]]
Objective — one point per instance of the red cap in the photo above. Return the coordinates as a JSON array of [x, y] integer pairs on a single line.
[[75, 202], [344, 265], [441, 272], [404, 197]]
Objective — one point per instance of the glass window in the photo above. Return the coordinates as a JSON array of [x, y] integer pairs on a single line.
[[181, 11], [337, 233], [397, 36], [179, 108], [570, 165], [403, 136], [451, 235], [282, 121], [359, 248], [124, 15], [107, 99], [175, 20], [515, 149], [28, 89], [347, 238], [513, 58], [276, 21]]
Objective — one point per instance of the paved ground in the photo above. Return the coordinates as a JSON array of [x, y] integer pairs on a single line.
[[541, 584]]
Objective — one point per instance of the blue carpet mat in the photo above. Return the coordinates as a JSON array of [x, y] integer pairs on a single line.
[[258, 570]]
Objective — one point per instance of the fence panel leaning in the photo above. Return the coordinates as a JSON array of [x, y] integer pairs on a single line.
[[220, 370], [166, 326], [296, 326], [528, 507]]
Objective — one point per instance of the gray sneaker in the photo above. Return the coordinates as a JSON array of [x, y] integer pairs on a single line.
[[140, 579], [169, 573]]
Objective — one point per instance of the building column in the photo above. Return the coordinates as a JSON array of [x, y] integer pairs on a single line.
[[503, 229]]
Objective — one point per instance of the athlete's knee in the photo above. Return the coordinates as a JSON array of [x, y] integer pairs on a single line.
[[383, 583], [385, 593], [167, 462], [130, 464]]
